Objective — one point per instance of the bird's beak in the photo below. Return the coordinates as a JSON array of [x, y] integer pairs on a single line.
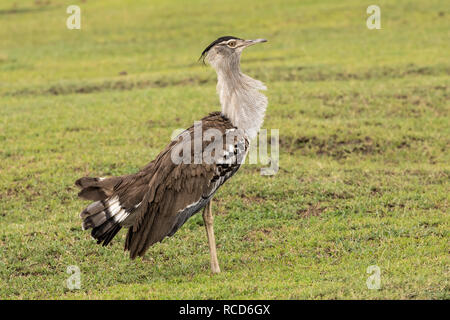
[[249, 43]]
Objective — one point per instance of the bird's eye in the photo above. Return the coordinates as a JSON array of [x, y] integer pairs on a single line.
[[232, 44]]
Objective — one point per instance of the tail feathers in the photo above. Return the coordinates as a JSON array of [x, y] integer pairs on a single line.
[[108, 236], [108, 183], [97, 188], [93, 193], [92, 209], [105, 218]]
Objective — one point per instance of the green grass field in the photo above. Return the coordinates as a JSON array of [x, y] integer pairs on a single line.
[[364, 147]]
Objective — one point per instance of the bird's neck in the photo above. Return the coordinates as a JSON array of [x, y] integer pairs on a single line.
[[241, 100]]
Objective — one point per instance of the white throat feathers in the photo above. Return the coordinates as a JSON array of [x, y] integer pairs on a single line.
[[240, 96]]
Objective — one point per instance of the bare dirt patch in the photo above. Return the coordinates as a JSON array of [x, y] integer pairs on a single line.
[[335, 147], [313, 210]]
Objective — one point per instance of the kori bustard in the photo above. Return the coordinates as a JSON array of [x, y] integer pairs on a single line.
[[156, 201]]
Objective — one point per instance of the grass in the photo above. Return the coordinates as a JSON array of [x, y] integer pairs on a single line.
[[364, 136]]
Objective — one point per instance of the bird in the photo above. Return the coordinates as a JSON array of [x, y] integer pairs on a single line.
[[157, 200]]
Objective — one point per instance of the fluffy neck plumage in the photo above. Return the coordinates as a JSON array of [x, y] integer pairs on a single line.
[[240, 98]]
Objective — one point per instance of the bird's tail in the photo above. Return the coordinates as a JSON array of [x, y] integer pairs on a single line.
[[104, 215]]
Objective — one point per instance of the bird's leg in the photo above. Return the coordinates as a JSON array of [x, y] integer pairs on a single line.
[[209, 221]]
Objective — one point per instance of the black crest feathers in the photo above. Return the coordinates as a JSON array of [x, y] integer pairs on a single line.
[[212, 44]]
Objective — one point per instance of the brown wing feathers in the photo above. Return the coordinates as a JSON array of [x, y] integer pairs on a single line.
[[174, 193], [154, 202]]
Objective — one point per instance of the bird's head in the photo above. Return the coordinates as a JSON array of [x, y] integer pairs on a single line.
[[226, 51]]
